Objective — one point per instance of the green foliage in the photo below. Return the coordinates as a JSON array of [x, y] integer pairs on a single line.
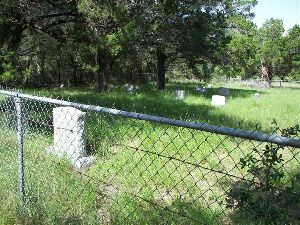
[[28, 73], [118, 41], [61, 190], [292, 41], [266, 52], [7, 69], [242, 56], [271, 46], [266, 195]]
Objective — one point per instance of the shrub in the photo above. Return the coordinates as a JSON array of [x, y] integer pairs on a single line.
[[268, 195]]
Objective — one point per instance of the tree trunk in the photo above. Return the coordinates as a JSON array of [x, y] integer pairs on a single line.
[[99, 78], [59, 71], [75, 69], [15, 38], [142, 76], [15, 33], [104, 63], [161, 69], [264, 71]]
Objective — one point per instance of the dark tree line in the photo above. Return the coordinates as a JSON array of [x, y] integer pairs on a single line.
[[77, 42]]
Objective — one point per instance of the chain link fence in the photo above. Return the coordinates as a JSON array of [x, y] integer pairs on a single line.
[[259, 83], [70, 163]]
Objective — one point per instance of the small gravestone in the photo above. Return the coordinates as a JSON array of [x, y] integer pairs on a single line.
[[129, 88], [69, 136], [179, 94], [201, 89], [224, 92], [209, 86], [257, 96], [218, 100]]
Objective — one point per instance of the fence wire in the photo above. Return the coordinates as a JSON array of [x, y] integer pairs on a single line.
[[141, 171]]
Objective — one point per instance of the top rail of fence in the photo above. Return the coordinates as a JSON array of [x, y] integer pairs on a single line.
[[233, 132]]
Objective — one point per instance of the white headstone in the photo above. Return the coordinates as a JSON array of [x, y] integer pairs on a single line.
[[209, 86], [69, 135], [223, 91], [179, 94], [218, 100]]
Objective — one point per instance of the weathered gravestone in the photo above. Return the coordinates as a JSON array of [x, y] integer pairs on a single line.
[[209, 86], [201, 89], [257, 96], [69, 136], [224, 92], [179, 94], [129, 88], [218, 100]]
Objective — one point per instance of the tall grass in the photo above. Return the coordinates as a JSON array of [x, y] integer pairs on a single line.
[[144, 173]]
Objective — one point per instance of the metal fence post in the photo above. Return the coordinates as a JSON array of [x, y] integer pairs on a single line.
[[18, 102]]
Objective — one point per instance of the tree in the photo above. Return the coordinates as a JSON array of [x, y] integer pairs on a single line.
[[270, 48], [193, 30], [111, 28], [241, 58], [43, 16], [21, 19], [292, 56]]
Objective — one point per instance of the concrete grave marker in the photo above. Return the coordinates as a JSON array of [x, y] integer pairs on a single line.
[[218, 100], [201, 89], [129, 88], [209, 86], [179, 94], [224, 92], [69, 135], [257, 96]]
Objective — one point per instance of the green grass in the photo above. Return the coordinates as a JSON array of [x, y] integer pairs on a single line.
[[142, 168], [242, 109]]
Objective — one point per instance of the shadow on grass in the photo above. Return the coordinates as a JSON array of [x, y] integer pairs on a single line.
[[132, 212], [179, 212], [161, 103], [265, 199], [234, 92]]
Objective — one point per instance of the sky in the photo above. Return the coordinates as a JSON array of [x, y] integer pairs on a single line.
[[287, 10]]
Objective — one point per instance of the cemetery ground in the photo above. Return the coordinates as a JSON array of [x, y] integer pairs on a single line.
[[58, 194], [242, 109]]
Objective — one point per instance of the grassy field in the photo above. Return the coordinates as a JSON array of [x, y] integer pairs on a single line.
[[242, 109], [145, 173]]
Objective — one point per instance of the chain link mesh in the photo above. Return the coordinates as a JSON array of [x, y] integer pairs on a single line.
[[142, 172]]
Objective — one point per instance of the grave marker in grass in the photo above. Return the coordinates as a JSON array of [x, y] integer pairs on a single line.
[[69, 136], [224, 92], [218, 100], [179, 94], [201, 89]]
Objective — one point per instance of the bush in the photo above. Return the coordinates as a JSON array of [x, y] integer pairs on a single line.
[[268, 195]]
